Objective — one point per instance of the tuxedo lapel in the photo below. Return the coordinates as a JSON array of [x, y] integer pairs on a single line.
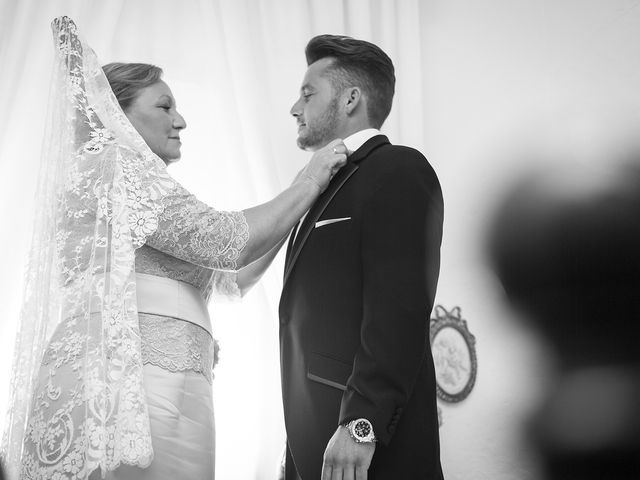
[[314, 213], [292, 237], [323, 200]]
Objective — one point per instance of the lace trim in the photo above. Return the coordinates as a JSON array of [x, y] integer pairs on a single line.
[[196, 233], [61, 440], [224, 285], [176, 345]]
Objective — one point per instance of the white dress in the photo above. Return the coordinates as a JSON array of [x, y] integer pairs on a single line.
[[114, 353], [178, 354]]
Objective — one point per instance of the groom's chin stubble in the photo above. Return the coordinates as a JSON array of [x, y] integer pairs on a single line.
[[304, 145], [312, 143]]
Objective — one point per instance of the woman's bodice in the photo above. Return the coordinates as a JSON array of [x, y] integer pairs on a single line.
[[195, 244], [155, 262], [191, 243]]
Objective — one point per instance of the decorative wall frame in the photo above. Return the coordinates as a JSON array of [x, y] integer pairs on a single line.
[[454, 355]]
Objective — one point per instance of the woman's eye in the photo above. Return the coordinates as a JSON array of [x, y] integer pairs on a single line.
[[165, 107]]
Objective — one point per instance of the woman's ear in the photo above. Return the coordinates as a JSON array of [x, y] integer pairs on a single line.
[[354, 96]]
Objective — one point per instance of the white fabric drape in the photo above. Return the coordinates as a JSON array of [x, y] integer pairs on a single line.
[[468, 74]]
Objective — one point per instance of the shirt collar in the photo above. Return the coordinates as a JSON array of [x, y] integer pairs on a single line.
[[356, 140]]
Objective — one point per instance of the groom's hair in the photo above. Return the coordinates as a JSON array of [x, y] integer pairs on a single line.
[[127, 79], [357, 63]]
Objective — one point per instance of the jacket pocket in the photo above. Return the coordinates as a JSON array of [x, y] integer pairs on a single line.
[[329, 221], [328, 371]]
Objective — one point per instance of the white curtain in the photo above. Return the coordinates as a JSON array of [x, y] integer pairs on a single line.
[[471, 78]]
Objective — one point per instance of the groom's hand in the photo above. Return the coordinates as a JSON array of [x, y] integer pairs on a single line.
[[346, 459]]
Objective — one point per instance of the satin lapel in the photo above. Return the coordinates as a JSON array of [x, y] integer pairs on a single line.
[[323, 200], [292, 237]]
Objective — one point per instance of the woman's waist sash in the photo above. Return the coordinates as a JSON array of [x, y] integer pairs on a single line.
[[171, 298]]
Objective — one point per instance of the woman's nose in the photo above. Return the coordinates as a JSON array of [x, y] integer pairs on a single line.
[[179, 122]]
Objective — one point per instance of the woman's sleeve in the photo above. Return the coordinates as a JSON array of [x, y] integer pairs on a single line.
[[192, 231], [224, 286]]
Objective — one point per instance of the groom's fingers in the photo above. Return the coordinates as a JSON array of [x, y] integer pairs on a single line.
[[326, 471], [361, 472], [336, 473], [348, 473]]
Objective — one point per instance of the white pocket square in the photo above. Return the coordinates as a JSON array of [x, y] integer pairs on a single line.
[[329, 221]]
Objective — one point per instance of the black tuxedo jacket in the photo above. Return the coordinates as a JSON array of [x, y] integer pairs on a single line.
[[359, 284]]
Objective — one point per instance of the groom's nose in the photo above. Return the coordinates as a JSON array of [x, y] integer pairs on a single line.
[[296, 111]]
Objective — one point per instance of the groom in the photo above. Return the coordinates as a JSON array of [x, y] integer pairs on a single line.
[[360, 277]]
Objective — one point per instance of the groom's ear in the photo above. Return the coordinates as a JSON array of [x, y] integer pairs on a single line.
[[353, 99]]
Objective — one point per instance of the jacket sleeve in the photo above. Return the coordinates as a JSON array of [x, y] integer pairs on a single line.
[[401, 236]]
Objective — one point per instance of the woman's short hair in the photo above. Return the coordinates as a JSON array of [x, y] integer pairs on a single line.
[[127, 79], [358, 63]]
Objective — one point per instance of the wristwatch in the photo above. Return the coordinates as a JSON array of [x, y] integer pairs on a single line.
[[361, 430]]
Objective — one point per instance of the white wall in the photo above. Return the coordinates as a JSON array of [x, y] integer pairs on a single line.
[[504, 79], [477, 81]]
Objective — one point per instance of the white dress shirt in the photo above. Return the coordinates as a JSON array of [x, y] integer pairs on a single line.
[[356, 140]]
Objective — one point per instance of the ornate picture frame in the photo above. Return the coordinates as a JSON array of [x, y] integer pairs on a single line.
[[454, 355]]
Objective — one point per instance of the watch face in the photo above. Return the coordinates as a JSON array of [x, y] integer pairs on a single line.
[[362, 429]]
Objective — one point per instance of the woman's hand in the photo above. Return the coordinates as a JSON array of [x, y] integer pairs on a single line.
[[324, 164], [271, 222]]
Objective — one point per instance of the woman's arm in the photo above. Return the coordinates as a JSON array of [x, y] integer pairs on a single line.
[[196, 233], [248, 276], [251, 274], [270, 222]]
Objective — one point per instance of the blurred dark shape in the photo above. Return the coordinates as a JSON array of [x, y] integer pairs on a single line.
[[565, 244]]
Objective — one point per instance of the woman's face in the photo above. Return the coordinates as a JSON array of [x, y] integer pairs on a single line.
[[154, 115]]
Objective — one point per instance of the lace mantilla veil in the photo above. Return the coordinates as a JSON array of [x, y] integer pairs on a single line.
[[100, 192]]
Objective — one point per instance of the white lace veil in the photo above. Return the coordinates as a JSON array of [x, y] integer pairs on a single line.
[[100, 192]]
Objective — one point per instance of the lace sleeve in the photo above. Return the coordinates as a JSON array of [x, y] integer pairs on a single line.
[[196, 233], [224, 285]]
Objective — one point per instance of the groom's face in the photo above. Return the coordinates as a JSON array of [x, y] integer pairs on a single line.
[[317, 110]]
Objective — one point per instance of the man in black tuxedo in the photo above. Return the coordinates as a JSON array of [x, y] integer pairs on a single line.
[[361, 270]]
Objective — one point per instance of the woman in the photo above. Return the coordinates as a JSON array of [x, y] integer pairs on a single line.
[[114, 354]]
